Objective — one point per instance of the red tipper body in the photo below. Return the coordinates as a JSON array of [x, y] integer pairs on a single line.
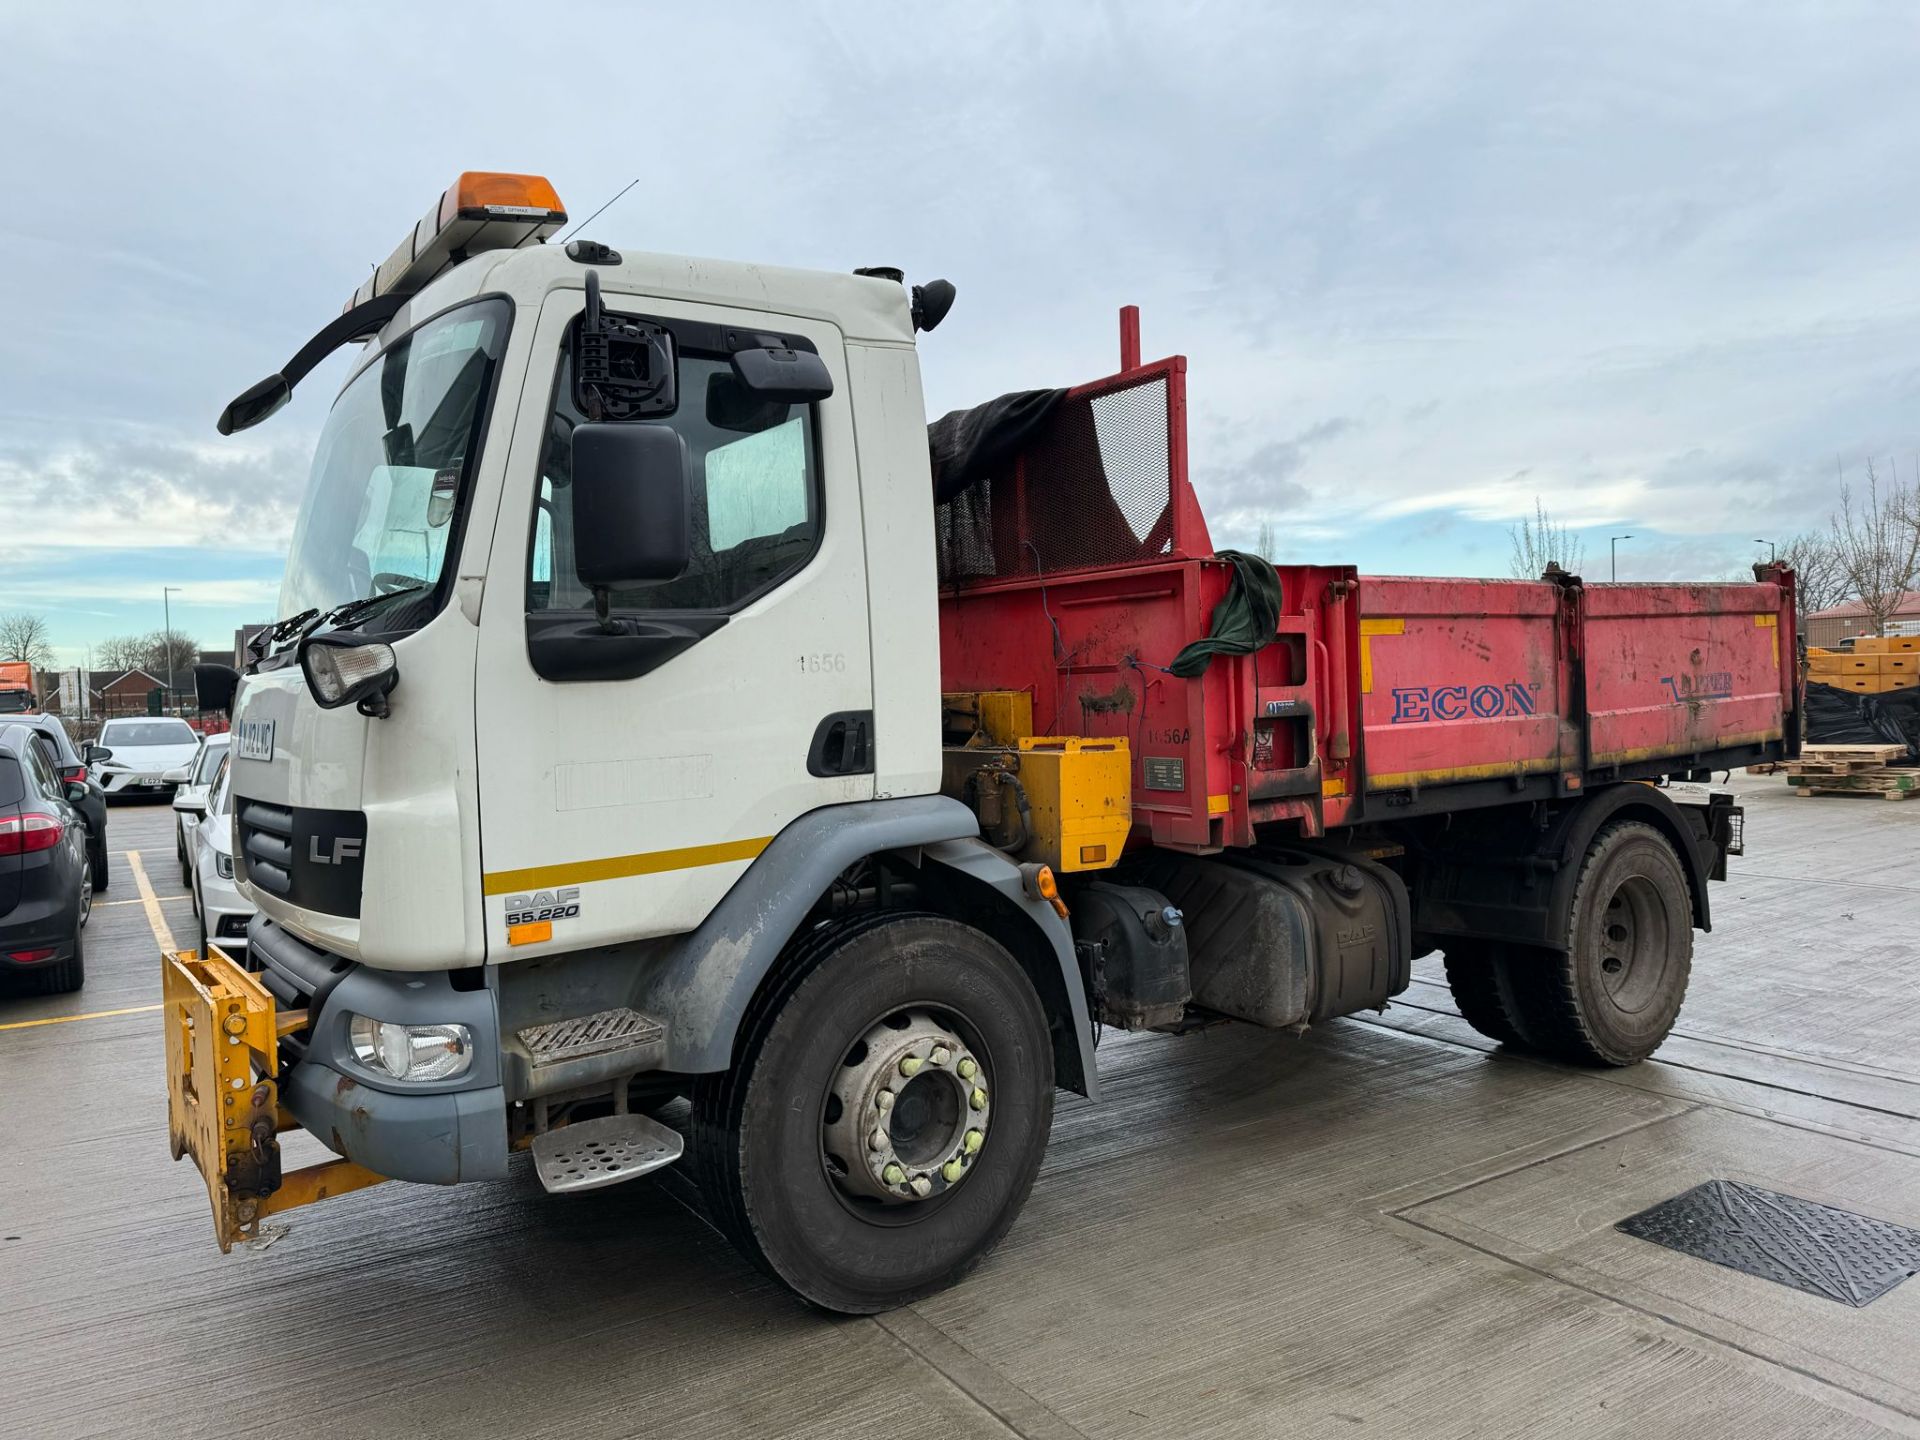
[[1083, 566]]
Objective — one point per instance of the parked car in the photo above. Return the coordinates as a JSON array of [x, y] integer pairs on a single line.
[[46, 884], [190, 800], [218, 905], [142, 755], [54, 740]]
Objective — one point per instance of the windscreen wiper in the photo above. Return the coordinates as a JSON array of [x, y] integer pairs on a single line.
[[353, 609]]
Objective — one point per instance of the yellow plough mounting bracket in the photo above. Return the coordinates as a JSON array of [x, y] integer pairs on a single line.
[[223, 1105]]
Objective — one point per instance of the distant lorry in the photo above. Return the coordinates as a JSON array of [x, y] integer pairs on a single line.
[[16, 688], [653, 716]]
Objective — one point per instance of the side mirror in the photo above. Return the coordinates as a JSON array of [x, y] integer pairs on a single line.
[[632, 506], [255, 403], [178, 775], [214, 685], [190, 804], [77, 792], [777, 374], [92, 754]]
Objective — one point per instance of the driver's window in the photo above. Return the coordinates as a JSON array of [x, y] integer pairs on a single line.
[[756, 494]]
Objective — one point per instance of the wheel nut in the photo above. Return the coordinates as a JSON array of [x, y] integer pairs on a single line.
[[877, 1140], [966, 1068], [940, 1055], [978, 1099], [953, 1170], [911, 1066], [884, 1100], [921, 1186], [974, 1141], [893, 1175]]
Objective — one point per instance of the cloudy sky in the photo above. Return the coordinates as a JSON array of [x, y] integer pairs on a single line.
[[1656, 265]]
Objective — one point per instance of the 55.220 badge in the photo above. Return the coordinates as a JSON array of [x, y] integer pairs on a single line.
[[560, 904]]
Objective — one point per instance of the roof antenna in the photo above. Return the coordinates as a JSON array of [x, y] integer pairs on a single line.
[[598, 213]]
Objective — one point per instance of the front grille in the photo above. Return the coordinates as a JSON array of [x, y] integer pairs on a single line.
[[265, 833]]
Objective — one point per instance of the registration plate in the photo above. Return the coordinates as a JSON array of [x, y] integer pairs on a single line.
[[253, 739]]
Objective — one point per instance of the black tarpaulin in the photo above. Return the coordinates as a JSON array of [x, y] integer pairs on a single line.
[[969, 445]]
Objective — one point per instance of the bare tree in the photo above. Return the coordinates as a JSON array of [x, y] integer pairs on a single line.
[[1540, 541], [1877, 540], [124, 652], [1266, 544], [1820, 580], [24, 636], [170, 654]]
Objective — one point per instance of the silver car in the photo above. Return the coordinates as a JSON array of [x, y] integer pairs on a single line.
[[190, 800]]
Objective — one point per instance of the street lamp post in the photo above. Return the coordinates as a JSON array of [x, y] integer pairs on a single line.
[[1773, 550], [166, 637], [1613, 555]]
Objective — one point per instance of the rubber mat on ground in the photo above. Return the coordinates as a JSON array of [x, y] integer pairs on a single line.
[[1837, 1254]]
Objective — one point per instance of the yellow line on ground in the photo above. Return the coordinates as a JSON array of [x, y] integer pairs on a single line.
[[69, 1019], [156, 922]]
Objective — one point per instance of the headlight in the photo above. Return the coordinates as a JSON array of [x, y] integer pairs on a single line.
[[411, 1052], [342, 671], [223, 865]]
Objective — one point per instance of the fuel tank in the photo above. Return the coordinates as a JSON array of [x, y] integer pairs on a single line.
[[1285, 937]]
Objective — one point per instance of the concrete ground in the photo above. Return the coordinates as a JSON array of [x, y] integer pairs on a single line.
[[1385, 1228]]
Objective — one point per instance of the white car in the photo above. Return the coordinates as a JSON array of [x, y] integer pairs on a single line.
[[141, 755], [190, 800], [219, 906]]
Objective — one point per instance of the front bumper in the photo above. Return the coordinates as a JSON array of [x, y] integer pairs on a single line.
[[441, 1133], [224, 911], [132, 782]]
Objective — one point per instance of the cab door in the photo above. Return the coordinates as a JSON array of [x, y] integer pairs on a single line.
[[624, 787]]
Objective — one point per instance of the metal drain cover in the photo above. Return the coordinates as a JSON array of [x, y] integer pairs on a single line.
[[590, 1153], [1854, 1259]]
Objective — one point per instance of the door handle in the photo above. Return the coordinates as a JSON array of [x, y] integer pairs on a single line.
[[842, 745]]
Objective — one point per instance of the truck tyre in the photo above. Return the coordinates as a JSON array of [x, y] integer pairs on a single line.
[[1479, 974], [855, 1202], [1615, 993]]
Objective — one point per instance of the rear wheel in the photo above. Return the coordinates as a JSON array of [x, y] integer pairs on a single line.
[[1615, 993], [1479, 974], [885, 1115], [97, 860]]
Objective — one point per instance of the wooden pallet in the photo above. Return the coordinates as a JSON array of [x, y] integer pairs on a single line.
[[1872, 755], [1888, 785]]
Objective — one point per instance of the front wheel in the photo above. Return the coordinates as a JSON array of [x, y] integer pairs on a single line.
[[885, 1116], [1611, 998]]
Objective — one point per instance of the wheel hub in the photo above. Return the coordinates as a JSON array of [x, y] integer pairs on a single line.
[[907, 1113]]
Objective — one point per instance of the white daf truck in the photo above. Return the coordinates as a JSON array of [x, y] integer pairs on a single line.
[[650, 717]]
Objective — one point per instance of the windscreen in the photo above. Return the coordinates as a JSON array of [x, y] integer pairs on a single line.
[[391, 471], [148, 732]]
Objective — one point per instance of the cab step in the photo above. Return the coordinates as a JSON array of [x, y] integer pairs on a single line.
[[590, 1154]]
